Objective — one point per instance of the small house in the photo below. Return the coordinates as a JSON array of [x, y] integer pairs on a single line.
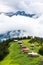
[[23, 47], [26, 50], [20, 42], [32, 54], [32, 46], [15, 40]]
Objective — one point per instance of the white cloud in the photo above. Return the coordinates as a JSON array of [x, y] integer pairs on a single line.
[[4, 8], [30, 6], [32, 26], [20, 22]]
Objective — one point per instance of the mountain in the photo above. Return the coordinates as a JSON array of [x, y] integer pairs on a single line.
[[22, 13], [12, 34], [24, 20]]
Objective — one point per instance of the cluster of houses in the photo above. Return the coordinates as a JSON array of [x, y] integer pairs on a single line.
[[27, 50]]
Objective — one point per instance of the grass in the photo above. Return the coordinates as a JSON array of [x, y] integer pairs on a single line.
[[16, 57]]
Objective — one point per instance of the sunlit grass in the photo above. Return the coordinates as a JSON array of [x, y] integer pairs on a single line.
[[16, 57]]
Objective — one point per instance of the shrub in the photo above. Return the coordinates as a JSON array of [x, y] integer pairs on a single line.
[[41, 50], [3, 49]]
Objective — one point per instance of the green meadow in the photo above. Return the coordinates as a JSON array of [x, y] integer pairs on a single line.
[[17, 57]]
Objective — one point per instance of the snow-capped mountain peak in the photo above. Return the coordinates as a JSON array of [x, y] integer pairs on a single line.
[[22, 13]]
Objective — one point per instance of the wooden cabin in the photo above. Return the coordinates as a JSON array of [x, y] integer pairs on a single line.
[[26, 50], [32, 46], [20, 42], [33, 54], [15, 40], [23, 47]]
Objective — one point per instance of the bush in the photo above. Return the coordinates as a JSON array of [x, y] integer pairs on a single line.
[[41, 50], [3, 49]]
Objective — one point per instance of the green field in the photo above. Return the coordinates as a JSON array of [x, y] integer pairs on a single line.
[[16, 57]]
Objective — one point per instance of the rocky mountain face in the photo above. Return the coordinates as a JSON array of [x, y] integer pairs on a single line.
[[12, 34], [22, 13]]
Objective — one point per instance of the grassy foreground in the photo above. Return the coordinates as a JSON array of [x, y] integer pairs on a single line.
[[16, 57]]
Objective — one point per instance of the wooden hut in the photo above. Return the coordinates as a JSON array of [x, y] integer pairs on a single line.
[[26, 50], [20, 42], [32, 46], [23, 47], [15, 40], [33, 54]]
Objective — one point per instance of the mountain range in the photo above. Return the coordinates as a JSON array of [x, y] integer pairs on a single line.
[[16, 33], [12, 34], [22, 13]]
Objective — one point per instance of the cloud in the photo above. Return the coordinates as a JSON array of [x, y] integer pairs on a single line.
[[29, 6], [31, 26], [4, 8]]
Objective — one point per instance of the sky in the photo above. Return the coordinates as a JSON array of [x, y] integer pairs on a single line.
[[33, 26], [29, 6]]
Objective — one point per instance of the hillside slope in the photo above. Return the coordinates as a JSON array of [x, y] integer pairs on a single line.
[[16, 57]]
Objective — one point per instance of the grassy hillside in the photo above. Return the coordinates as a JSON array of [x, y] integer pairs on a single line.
[[16, 57]]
